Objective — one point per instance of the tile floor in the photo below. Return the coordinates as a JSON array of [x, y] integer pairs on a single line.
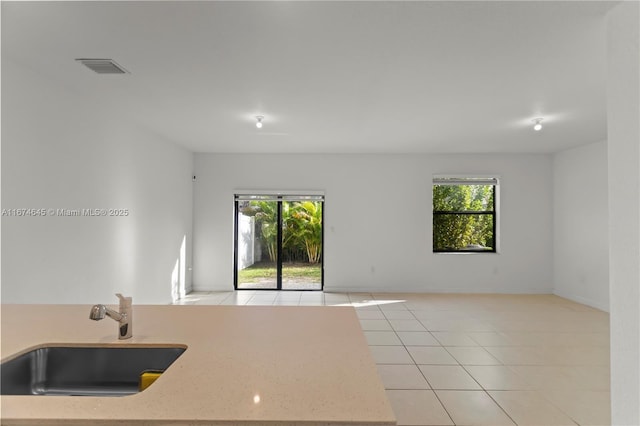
[[449, 359]]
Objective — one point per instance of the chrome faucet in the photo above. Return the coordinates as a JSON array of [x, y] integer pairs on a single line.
[[124, 317]]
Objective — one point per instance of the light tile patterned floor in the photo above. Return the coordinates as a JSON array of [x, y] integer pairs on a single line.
[[465, 359]]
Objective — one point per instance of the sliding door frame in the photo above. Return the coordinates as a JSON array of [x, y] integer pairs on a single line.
[[278, 197]]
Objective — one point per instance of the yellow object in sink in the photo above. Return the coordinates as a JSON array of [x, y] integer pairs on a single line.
[[147, 378]]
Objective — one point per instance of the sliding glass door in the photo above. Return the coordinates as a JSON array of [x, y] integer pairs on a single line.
[[302, 244], [279, 242], [256, 248]]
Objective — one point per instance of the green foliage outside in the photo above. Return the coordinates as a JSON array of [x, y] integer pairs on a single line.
[[301, 227], [454, 230]]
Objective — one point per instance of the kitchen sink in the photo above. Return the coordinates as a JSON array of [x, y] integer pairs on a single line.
[[84, 371]]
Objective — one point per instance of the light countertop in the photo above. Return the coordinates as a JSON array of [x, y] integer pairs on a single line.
[[309, 365]]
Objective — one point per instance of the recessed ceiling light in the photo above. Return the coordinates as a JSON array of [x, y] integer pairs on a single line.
[[537, 124], [259, 121]]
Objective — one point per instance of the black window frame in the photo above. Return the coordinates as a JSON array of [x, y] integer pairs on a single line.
[[464, 181], [279, 198]]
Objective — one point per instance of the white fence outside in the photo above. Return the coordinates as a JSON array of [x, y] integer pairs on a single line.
[[247, 242]]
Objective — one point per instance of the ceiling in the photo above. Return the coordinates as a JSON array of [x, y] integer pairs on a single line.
[[331, 77]]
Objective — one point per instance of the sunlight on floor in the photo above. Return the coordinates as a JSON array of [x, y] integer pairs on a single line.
[[364, 303]]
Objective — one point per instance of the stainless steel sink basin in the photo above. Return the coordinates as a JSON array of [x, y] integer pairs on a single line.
[[83, 371]]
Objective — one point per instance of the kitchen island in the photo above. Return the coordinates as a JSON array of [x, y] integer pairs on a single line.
[[244, 365]]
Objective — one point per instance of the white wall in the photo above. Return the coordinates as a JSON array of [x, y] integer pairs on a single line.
[[581, 226], [60, 150], [378, 220], [623, 112]]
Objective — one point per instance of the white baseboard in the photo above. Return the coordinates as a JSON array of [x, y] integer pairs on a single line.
[[416, 289], [585, 301]]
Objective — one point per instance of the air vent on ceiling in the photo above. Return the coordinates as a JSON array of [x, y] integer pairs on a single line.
[[103, 66]]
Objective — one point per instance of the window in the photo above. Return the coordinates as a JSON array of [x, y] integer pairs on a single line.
[[464, 214]]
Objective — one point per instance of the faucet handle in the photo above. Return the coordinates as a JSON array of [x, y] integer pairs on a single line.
[[124, 300]]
